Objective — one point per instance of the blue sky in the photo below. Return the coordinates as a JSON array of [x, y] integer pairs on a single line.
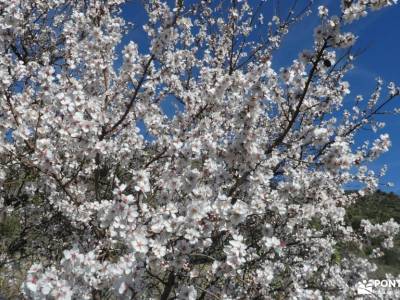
[[379, 32]]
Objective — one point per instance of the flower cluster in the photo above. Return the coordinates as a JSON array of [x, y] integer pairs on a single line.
[[353, 10]]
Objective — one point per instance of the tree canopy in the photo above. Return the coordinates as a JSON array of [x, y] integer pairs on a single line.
[[241, 194]]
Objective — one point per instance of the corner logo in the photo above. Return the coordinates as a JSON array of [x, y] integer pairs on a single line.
[[373, 286], [365, 288]]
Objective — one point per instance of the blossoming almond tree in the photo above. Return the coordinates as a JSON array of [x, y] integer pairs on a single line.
[[238, 196]]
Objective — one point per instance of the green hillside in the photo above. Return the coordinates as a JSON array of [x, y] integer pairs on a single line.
[[378, 208]]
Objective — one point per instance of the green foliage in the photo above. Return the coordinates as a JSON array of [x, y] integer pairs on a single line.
[[336, 256], [315, 223], [9, 226], [10, 229]]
